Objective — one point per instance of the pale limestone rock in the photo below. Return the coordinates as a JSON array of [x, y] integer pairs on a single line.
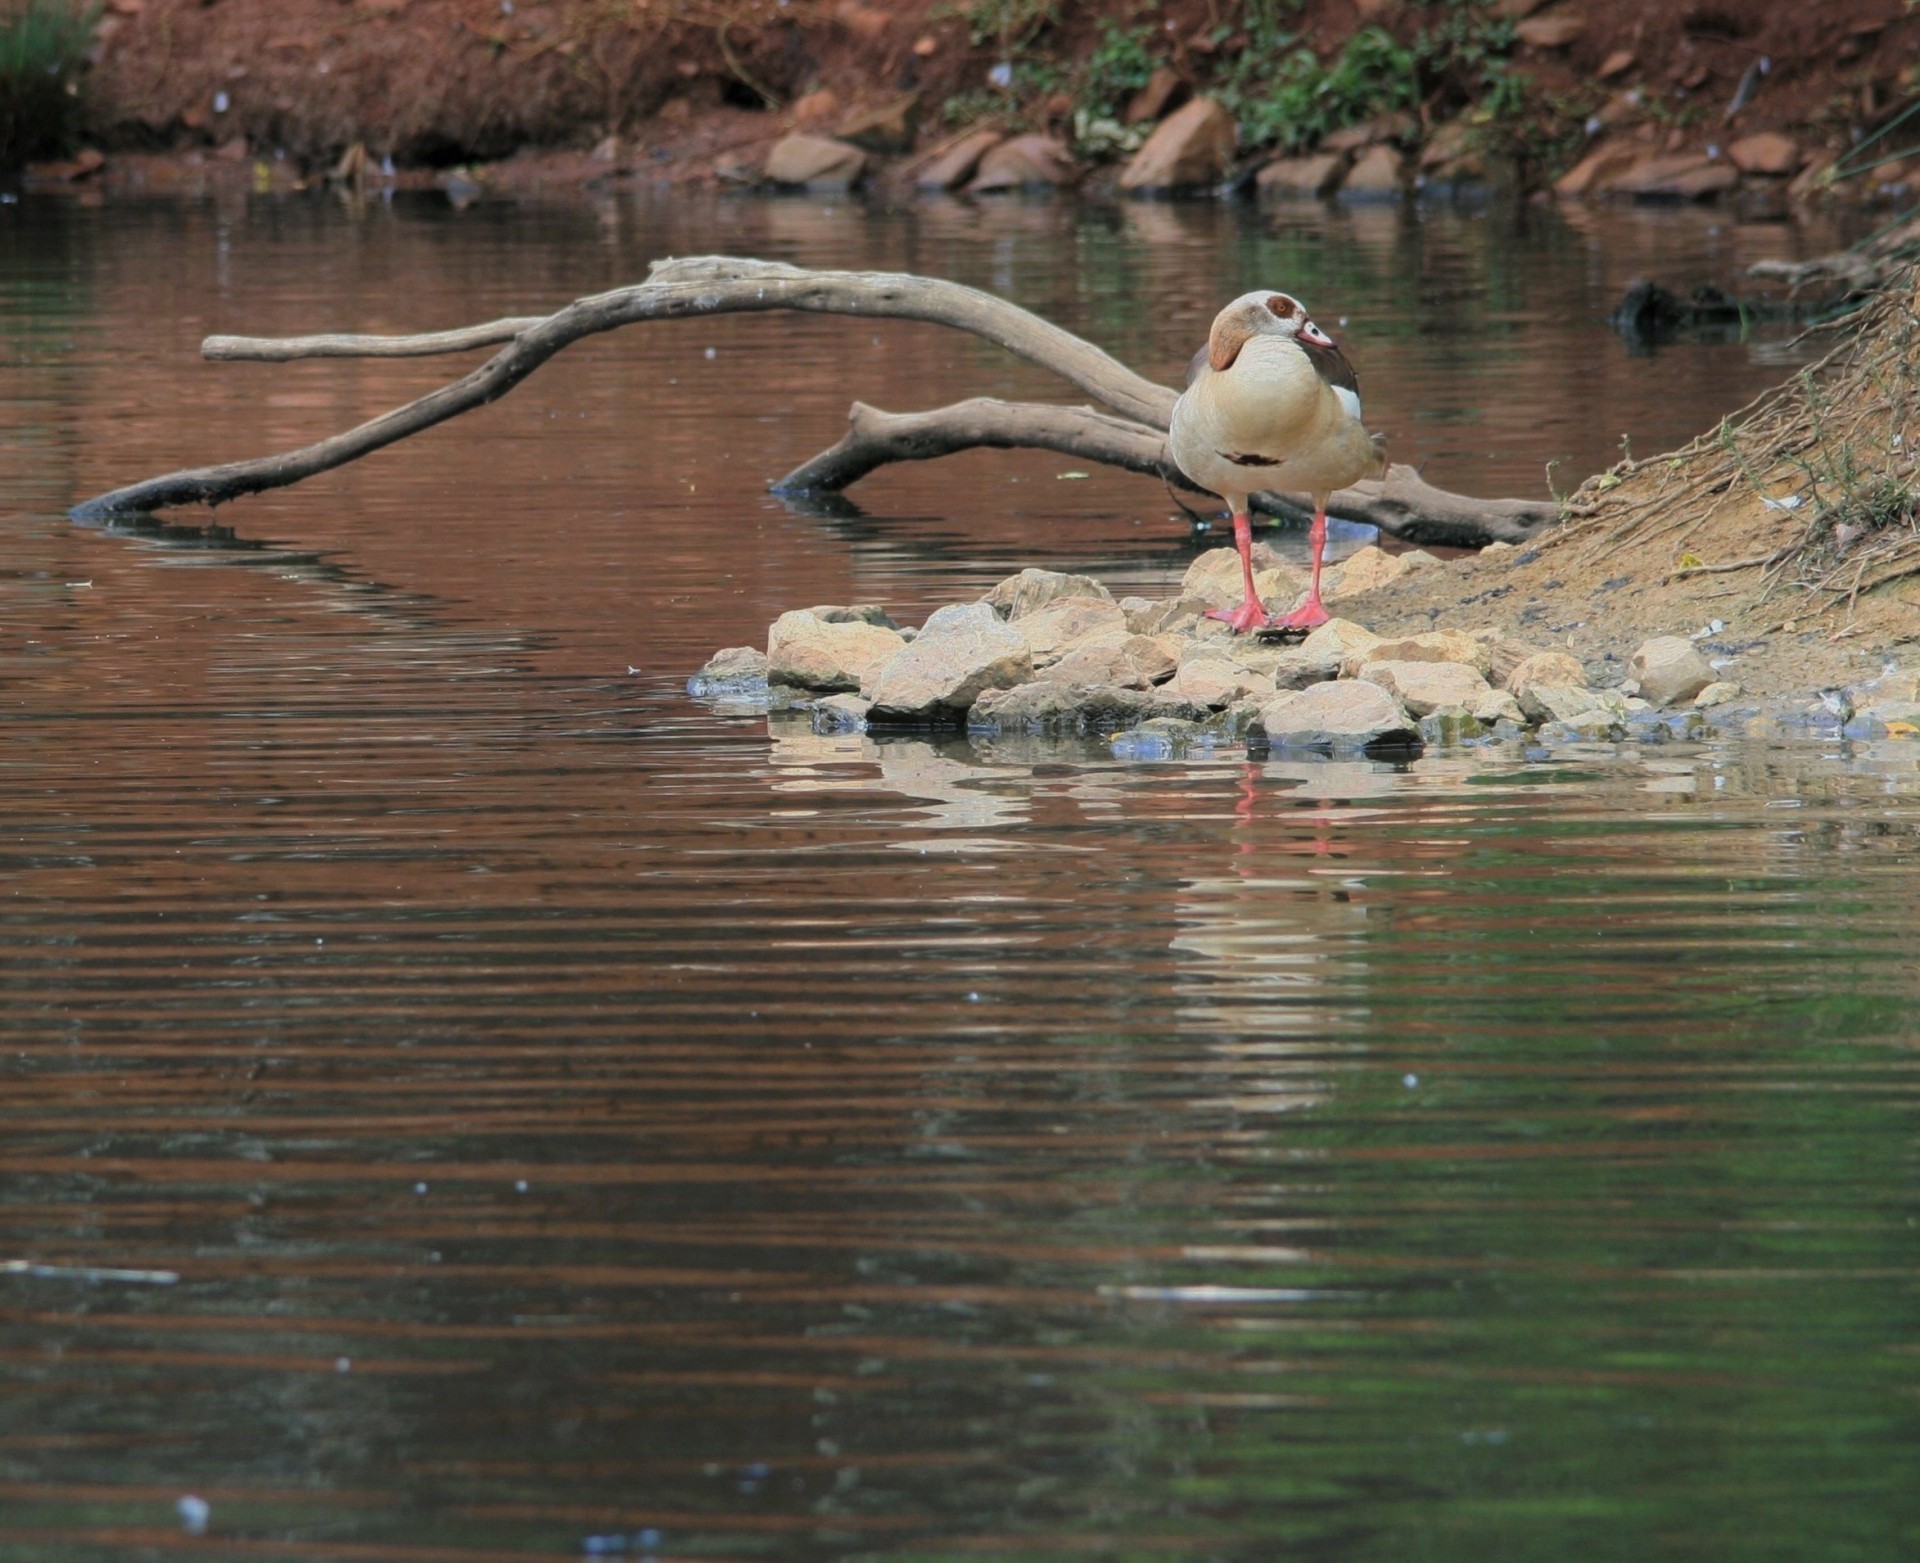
[[1030, 590], [1191, 148], [1279, 588], [733, 667], [1361, 571], [1499, 706], [1329, 646], [1181, 616], [1141, 613], [960, 652], [1424, 687], [1296, 668], [1504, 653], [1556, 702], [1051, 630], [1115, 656], [1431, 646], [1214, 578], [816, 162], [1161, 652], [1670, 670], [1348, 715], [808, 652], [1218, 682], [1718, 693], [1248, 651], [1545, 667]]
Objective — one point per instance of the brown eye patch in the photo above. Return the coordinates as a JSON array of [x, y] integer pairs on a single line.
[[1283, 306]]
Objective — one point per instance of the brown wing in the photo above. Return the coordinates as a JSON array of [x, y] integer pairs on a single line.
[[1331, 365]]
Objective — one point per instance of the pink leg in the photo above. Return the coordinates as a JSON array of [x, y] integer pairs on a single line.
[[1311, 612], [1249, 615]]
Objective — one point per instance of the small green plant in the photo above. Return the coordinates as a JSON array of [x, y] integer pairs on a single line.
[[1462, 52], [1011, 99], [975, 104], [1121, 63], [1006, 24], [1297, 100], [43, 44]]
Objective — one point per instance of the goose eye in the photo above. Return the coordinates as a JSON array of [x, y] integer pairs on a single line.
[[1283, 306]]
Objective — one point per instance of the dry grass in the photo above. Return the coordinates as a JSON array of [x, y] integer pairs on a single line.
[[1786, 536], [1814, 485]]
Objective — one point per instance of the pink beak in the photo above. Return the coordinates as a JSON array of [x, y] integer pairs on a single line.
[[1312, 333]]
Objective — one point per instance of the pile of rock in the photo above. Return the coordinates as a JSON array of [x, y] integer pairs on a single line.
[[1192, 146], [1046, 652]]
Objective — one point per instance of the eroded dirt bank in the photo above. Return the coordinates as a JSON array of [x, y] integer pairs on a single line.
[[1463, 88]]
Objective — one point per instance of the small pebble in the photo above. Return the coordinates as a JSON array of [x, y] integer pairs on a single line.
[[1410, 1081], [194, 1513]]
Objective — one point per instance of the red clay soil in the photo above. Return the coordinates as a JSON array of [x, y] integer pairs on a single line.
[[439, 82]]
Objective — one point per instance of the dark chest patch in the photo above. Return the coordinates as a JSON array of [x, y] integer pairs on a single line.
[[1332, 366], [1249, 459]]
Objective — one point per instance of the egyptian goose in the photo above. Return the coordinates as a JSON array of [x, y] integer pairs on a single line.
[[1271, 402]]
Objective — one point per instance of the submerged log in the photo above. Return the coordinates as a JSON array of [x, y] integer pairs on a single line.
[[1131, 435]]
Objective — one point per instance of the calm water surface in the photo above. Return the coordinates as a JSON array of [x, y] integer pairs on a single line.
[[581, 1120]]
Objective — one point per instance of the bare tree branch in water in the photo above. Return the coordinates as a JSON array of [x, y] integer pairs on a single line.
[[1401, 504], [1131, 435]]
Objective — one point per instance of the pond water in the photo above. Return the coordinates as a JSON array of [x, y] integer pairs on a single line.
[[578, 1121]]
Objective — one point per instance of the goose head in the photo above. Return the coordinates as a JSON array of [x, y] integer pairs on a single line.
[[1263, 313]]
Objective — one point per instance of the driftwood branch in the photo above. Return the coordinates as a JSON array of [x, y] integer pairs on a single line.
[[1131, 435], [285, 349], [876, 439], [1401, 504]]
